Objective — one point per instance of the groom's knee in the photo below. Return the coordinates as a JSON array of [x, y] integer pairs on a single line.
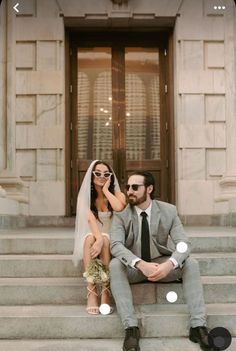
[[191, 264], [115, 264]]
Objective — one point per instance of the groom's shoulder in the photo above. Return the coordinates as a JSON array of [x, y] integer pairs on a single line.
[[164, 206]]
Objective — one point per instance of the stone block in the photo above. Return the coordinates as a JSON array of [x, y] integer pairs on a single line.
[[220, 135], [193, 109], [160, 8], [26, 108], [192, 55], [34, 137], [194, 136], [202, 81], [191, 27], [47, 56], [39, 82], [47, 198], [214, 54], [209, 9], [219, 81], [232, 205], [47, 165], [216, 162], [26, 163], [47, 8], [47, 106], [32, 29], [27, 8], [83, 7], [195, 197], [215, 108], [193, 163], [144, 292], [26, 55], [9, 206], [221, 207]]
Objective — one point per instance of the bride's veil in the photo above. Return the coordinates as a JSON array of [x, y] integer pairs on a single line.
[[82, 211]]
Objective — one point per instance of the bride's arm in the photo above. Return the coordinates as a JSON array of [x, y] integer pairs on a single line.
[[117, 200]]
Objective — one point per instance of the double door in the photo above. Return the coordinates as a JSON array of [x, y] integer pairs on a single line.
[[120, 108]]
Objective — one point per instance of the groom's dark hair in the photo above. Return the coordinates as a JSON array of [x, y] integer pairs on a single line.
[[148, 180]]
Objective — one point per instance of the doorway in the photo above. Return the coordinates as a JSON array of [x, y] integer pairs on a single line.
[[120, 107]]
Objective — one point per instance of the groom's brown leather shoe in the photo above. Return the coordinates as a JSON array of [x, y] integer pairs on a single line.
[[200, 335], [131, 342]]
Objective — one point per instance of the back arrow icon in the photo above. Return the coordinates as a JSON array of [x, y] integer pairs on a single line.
[[15, 7]]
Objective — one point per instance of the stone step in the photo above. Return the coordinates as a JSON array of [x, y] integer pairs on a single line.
[[72, 291], [212, 239], [147, 344], [62, 266], [65, 322], [60, 240]]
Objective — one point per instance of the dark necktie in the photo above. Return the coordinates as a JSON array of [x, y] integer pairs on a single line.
[[145, 239]]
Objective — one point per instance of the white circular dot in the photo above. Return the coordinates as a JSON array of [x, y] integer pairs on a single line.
[[215, 7], [171, 296], [219, 7], [223, 7], [181, 247], [105, 309]]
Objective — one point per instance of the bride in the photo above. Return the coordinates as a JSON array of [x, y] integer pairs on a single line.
[[98, 197]]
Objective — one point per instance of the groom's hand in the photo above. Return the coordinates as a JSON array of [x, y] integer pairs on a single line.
[[162, 270], [147, 268]]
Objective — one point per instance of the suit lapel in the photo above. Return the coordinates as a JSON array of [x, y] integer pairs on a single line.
[[155, 218], [135, 222]]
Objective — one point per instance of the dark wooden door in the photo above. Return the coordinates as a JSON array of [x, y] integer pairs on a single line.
[[120, 107]]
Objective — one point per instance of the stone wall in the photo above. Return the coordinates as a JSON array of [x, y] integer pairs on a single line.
[[205, 107], [36, 108], [32, 99]]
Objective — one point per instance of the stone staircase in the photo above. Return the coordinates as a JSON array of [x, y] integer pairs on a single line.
[[42, 295]]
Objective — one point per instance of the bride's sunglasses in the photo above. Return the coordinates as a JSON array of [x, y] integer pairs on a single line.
[[102, 174]]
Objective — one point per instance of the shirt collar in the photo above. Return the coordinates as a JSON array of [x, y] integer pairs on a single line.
[[148, 210]]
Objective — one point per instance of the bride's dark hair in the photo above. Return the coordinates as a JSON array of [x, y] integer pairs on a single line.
[[94, 193]]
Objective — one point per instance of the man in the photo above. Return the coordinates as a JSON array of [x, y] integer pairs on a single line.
[[138, 240]]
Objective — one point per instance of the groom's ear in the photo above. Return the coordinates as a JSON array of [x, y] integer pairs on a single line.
[[150, 189]]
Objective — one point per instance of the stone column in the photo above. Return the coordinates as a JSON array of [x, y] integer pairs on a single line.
[[228, 181], [3, 59]]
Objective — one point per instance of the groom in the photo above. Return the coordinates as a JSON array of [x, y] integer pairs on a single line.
[[139, 237]]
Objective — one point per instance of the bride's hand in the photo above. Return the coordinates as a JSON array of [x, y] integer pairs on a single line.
[[106, 185], [96, 248]]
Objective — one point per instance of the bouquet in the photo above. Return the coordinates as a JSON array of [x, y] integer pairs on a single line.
[[97, 272]]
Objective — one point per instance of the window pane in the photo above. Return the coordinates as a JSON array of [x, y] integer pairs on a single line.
[[142, 95], [94, 103]]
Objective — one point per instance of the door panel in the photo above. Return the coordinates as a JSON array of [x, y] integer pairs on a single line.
[[121, 113], [143, 122]]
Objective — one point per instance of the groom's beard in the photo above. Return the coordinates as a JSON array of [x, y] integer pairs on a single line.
[[134, 200]]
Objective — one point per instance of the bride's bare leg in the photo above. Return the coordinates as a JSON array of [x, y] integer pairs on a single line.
[[92, 297], [105, 256]]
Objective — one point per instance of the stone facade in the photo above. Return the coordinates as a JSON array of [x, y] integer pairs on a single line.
[[32, 99]]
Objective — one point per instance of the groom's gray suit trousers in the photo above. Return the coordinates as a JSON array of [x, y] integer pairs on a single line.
[[122, 277]]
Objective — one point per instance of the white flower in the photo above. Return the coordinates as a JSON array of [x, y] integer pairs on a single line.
[[104, 276], [90, 280]]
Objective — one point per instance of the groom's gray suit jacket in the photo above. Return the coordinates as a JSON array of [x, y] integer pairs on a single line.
[[165, 224]]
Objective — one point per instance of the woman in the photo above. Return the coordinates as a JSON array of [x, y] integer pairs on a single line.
[[98, 197]]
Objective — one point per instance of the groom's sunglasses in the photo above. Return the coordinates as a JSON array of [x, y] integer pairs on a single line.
[[102, 174], [134, 187]]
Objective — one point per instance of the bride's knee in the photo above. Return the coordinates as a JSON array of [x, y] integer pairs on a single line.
[[89, 241]]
